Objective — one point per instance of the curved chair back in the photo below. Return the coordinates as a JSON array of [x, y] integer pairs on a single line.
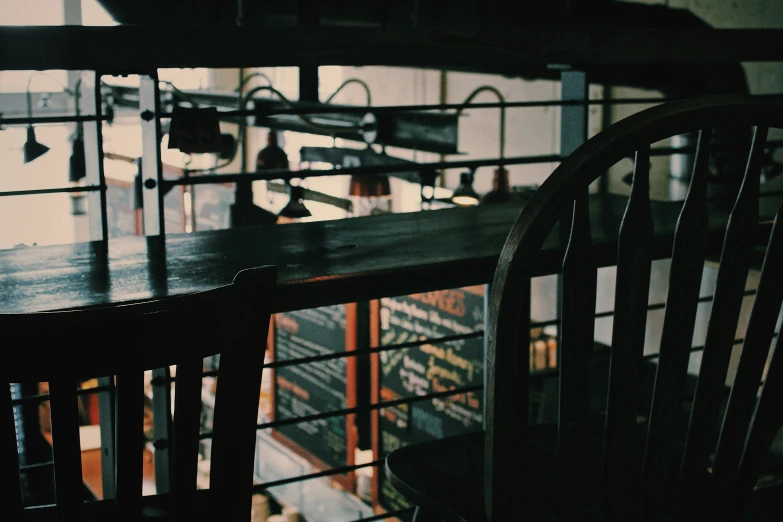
[[124, 341], [639, 442]]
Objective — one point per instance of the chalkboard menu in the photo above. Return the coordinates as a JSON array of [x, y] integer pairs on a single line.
[[16, 393], [429, 368], [307, 389]]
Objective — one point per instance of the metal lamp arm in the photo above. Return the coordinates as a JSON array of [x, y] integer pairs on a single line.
[[502, 100], [348, 82]]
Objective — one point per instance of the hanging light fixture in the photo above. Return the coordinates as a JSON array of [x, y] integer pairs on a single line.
[[295, 207], [501, 189], [77, 169], [369, 186], [465, 195], [77, 174], [32, 149], [370, 194]]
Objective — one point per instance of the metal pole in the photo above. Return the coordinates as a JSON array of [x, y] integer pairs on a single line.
[[485, 383], [93, 157], [151, 164], [106, 422], [161, 415], [573, 133]]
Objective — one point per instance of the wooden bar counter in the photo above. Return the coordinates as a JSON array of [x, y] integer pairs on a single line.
[[319, 264]]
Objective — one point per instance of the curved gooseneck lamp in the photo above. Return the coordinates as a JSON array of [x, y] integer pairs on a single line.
[[465, 195]]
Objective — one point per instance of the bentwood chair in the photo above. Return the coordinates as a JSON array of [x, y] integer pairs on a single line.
[[635, 460], [123, 341]]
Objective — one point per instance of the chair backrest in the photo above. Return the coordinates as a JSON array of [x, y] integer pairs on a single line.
[[123, 341], [634, 465]]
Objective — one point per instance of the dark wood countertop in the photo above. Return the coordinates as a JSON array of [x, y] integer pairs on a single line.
[[319, 263]]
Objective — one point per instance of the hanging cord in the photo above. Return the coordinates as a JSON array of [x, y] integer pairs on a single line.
[[247, 79], [289, 105], [77, 93], [179, 93], [348, 82], [502, 100]]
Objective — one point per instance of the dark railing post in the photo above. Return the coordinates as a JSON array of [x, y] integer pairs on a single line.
[[106, 423], [161, 415], [487, 301], [93, 156], [573, 133]]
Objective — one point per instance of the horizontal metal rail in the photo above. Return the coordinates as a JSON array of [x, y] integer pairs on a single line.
[[654, 306], [39, 465], [692, 349], [56, 190], [327, 473], [43, 397], [34, 120], [700, 348], [275, 174], [357, 353], [381, 109], [348, 109], [389, 514], [358, 409], [666, 151]]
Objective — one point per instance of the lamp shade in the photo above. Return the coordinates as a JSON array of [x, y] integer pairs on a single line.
[[295, 207], [370, 186], [465, 195], [76, 166], [33, 149], [501, 191]]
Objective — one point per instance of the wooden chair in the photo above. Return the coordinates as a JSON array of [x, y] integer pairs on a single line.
[[123, 341], [627, 463]]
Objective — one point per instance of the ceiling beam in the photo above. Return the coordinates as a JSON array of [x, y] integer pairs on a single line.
[[133, 49]]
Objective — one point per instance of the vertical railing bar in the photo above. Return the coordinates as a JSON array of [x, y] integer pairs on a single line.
[[106, 416], [485, 347], [93, 158], [161, 419], [152, 166], [101, 174]]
